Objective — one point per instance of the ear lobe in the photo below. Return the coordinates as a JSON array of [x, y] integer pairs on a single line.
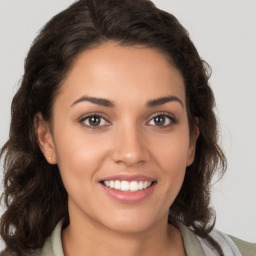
[[44, 138], [192, 145]]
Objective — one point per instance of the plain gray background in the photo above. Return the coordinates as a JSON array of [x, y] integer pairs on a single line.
[[224, 33]]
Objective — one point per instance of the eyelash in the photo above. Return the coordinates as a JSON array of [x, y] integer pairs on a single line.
[[172, 120], [97, 115]]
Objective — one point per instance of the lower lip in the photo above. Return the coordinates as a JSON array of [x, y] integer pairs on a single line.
[[129, 197]]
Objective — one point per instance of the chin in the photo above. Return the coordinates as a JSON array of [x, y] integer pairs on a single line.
[[130, 223]]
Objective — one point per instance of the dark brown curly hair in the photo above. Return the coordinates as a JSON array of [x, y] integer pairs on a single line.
[[34, 195]]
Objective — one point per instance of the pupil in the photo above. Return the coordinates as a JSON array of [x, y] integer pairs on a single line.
[[94, 120], [159, 120]]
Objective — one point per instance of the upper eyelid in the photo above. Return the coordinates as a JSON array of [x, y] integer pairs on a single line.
[[94, 114], [83, 118], [161, 113], [172, 119], [149, 117]]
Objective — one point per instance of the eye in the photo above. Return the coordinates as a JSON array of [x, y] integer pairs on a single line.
[[162, 120], [94, 121]]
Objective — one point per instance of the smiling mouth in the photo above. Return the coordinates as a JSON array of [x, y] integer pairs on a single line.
[[127, 186]]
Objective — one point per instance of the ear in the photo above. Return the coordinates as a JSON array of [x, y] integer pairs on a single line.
[[44, 138], [192, 144]]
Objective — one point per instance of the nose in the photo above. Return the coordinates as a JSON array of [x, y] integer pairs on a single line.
[[130, 147]]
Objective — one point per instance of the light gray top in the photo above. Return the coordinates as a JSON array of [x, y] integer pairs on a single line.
[[194, 246]]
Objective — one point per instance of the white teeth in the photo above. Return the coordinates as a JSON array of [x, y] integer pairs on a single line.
[[112, 184], [140, 185], [124, 185], [134, 186], [117, 184]]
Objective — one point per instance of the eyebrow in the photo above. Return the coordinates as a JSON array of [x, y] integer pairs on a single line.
[[163, 100], [108, 103], [98, 101]]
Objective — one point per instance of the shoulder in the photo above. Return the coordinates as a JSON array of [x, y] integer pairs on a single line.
[[230, 245], [51, 247], [246, 248]]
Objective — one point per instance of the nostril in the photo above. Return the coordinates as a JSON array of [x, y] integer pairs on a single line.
[[130, 158]]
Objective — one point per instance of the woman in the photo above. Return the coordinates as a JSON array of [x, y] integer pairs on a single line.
[[113, 139]]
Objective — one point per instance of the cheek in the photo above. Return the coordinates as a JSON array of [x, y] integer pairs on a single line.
[[74, 146], [171, 152], [171, 157], [78, 156]]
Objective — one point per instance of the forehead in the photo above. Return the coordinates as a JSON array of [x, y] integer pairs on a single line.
[[111, 70]]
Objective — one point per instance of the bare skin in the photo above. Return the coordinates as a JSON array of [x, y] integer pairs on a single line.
[[137, 128], [151, 244]]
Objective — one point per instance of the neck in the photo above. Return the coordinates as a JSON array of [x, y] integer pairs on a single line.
[[84, 236]]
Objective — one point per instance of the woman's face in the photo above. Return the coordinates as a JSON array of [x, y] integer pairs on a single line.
[[120, 137]]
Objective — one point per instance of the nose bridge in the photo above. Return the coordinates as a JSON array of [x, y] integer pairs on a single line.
[[130, 145]]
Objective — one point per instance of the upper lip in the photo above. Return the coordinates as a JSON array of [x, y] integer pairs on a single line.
[[126, 177]]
